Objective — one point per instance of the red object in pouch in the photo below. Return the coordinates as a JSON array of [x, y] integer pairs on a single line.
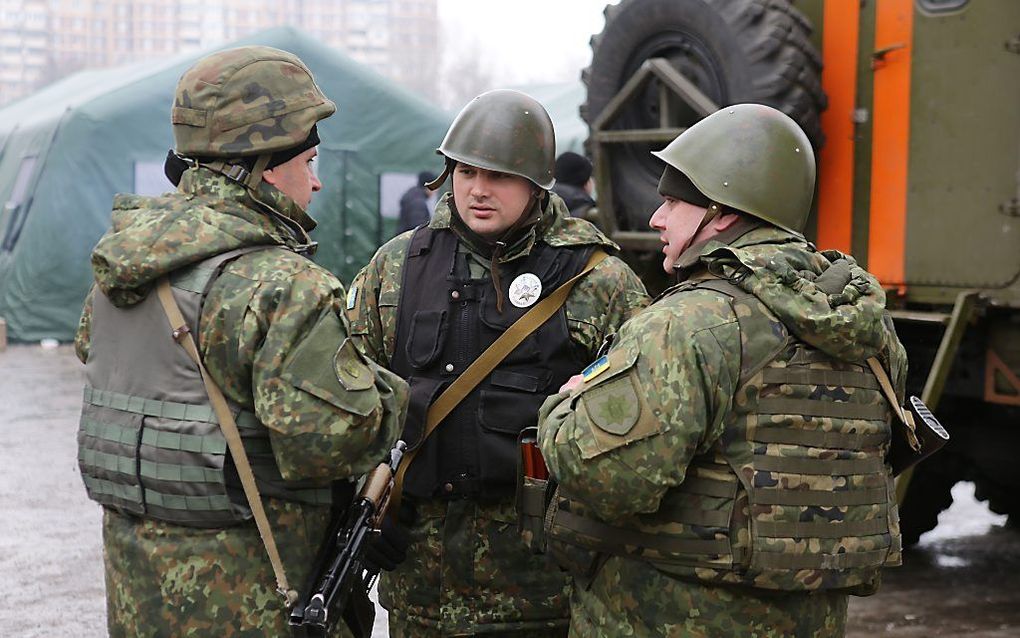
[[534, 464]]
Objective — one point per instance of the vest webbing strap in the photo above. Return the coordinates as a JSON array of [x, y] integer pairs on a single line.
[[823, 467], [702, 486], [812, 376], [822, 529], [162, 409], [814, 438], [128, 493], [110, 432], [846, 560], [814, 407], [184, 502], [611, 539], [870, 496], [114, 463], [485, 364], [182, 335]]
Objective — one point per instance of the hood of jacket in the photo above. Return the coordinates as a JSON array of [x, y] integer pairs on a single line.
[[823, 297], [208, 215]]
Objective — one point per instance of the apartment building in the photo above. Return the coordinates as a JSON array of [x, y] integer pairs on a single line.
[[42, 40]]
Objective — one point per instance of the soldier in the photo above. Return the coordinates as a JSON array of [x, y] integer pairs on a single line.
[[183, 556], [426, 306], [721, 469]]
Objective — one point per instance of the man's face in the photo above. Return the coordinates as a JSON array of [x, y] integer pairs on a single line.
[[296, 178], [490, 202], [677, 222]]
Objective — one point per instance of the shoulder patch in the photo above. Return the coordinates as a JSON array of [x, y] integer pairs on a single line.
[[352, 297], [596, 368], [613, 407]]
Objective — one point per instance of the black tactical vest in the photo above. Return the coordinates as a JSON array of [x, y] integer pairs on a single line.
[[445, 321]]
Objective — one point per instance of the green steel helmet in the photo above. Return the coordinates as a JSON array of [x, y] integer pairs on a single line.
[[506, 131], [750, 157], [252, 100]]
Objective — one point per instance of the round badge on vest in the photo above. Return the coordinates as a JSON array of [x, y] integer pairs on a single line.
[[525, 290]]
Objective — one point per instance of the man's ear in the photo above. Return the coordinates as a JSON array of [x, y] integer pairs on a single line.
[[725, 221], [269, 177]]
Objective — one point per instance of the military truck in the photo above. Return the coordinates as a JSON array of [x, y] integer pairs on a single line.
[[913, 107]]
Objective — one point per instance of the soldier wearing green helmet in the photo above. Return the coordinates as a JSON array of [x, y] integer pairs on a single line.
[[206, 310], [722, 467], [426, 306]]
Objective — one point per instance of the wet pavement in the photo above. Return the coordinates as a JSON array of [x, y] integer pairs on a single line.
[[962, 580]]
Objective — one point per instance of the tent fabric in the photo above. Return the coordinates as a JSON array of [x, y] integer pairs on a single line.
[[563, 102], [66, 150]]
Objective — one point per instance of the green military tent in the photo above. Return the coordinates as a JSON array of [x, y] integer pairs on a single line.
[[563, 101], [66, 150]]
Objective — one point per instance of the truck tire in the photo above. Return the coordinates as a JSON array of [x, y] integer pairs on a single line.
[[734, 51]]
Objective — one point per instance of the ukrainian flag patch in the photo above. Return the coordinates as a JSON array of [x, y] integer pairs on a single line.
[[596, 368]]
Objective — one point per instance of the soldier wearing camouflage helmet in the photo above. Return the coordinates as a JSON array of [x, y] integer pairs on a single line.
[[721, 469], [426, 306], [183, 555]]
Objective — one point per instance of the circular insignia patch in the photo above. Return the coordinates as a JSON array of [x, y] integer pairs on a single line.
[[525, 290]]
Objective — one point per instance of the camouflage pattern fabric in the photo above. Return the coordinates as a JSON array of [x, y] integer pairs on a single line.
[[682, 355], [629, 599], [246, 101], [166, 580], [467, 570]]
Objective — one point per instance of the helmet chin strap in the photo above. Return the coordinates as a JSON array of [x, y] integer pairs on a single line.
[[714, 210]]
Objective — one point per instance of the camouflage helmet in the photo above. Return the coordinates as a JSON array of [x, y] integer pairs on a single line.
[[506, 131], [252, 100], [750, 157]]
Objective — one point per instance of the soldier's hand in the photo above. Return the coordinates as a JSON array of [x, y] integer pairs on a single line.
[[389, 549], [572, 383]]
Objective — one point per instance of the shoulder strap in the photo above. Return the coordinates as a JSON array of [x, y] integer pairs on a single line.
[[182, 335], [487, 361], [903, 416]]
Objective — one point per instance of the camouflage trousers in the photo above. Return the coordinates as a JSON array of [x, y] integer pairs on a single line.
[[631, 598], [468, 572], [164, 580]]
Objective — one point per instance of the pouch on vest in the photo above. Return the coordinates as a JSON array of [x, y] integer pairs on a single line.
[[571, 550], [534, 491]]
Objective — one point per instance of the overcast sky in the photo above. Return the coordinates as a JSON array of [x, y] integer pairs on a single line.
[[523, 41]]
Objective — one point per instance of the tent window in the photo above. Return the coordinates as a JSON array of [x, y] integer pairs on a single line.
[[14, 209], [150, 179], [391, 187]]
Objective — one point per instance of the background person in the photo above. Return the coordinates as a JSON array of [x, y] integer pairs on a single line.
[[574, 183]]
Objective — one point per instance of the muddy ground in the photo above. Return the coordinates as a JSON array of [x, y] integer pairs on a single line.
[[963, 579]]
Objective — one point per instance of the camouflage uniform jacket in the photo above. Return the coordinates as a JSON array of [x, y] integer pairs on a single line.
[[686, 375], [164, 579], [467, 569]]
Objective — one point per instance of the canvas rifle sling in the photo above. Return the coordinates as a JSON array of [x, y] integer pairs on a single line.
[[182, 335]]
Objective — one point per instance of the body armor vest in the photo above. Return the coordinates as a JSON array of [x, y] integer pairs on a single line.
[[149, 443], [445, 321], [795, 495]]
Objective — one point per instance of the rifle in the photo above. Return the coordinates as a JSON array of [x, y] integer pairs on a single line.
[[340, 583]]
